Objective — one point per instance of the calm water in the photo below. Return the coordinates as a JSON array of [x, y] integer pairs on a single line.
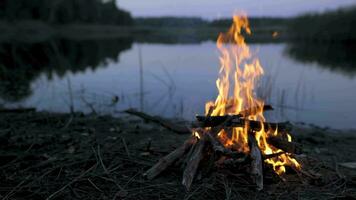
[[175, 80]]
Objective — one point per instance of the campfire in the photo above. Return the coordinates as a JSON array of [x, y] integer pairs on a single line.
[[233, 134]]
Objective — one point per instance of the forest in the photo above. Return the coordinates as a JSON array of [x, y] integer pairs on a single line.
[[65, 11]]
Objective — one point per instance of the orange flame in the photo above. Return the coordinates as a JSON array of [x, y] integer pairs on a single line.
[[238, 75]]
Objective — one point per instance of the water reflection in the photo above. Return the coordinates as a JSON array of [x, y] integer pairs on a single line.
[[173, 80], [337, 57], [22, 63]]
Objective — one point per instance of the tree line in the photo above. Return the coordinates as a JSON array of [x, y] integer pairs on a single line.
[[65, 11], [336, 26]]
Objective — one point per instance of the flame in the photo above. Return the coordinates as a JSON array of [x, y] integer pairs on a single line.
[[238, 75]]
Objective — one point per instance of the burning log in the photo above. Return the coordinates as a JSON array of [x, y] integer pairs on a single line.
[[193, 162], [238, 121], [169, 159], [220, 149], [256, 163], [269, 156], [290, 147], [252, 111]]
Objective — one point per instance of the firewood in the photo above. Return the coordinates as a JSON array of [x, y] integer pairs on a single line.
[[239, 121], [269, 156], [256, 162], [193, 162], [220, 119], [233, 162], [163, 122], [252, 111], [169, 159], [290, 147], [220, 149]]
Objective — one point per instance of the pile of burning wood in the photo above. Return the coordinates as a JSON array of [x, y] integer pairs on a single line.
[[204, 149], [234, 133]]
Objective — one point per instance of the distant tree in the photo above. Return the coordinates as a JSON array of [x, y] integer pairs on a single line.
[[65, 11], [337, 25]]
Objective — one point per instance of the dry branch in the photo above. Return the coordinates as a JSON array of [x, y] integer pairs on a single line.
[[256, 163], [290, 147], [193, 162], [163, 122], [169, 159]]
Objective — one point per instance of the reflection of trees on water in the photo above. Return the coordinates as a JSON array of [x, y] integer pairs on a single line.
[[338, 57], [21, 63]]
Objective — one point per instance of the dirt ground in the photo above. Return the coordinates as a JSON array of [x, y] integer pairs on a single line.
[[63, 156]]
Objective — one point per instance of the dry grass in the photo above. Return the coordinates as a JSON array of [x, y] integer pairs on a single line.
[[103, 158]]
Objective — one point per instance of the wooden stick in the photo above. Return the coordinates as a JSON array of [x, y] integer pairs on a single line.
[[243, 113], [269, 156], [193, 163], [256, 163], [239, 121], [290, 147], [163, 122], [169, 159]]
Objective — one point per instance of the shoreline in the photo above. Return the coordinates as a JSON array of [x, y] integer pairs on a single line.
[[51, 155], [31, 31]]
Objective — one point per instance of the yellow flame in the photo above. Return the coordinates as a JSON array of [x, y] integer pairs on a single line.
[[239, 72], [196, 134]]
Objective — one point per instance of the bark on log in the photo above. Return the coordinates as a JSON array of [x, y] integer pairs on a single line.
[[290, 147], [193, 163], [256, 163], [169, 159], [163, 122]]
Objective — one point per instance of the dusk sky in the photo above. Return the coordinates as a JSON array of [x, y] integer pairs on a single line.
[[211, 9]]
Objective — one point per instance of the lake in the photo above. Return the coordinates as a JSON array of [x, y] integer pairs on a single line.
[[176, 80]]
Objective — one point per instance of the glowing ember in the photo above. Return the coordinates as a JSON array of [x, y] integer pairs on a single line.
[[239, 72]]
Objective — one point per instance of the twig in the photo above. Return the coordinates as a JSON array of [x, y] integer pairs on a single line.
[[70, 183], [15, 188], [126, 148], [96, 187]]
